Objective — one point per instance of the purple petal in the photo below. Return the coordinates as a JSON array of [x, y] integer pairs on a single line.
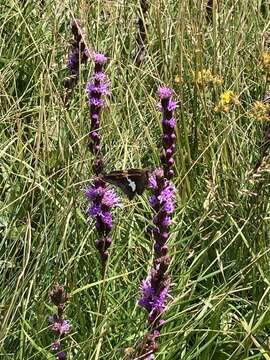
[[102, 88], [172, 105], [96, 102], [61, 356], [99, 76], [99, 58], [170, 123], [61, 326], [164, 92], [110, 199], [94, 210], [107, 219]]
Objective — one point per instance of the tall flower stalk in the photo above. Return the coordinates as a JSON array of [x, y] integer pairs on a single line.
[[59, 325], [78, 55], [141, 39], [155, 288], [97, 88], [167, 106], [101, 199]]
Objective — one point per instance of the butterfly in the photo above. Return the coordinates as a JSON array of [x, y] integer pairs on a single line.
[[131, 182]]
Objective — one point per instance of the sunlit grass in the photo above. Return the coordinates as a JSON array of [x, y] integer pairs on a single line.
[[219, 305]]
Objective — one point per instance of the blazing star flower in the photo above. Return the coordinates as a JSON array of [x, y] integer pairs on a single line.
[[78, 54], [153, 301], [58, 295], [59, 325], [141, 38], [61, 356], [99, 58], [96, 89], [163, 203], [56, 345], [102, 200], [155, 288], [167, 106]]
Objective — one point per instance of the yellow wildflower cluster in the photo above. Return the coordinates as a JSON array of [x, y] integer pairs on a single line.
[[205, 77], [265, 61], [226, 100], [260, 111]]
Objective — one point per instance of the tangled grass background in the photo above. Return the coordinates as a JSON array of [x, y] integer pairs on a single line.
[[215, 55]]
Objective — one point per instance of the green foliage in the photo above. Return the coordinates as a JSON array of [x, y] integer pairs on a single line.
[[219, 306]]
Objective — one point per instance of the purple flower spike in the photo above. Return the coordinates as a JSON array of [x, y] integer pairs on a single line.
[[153, 299], [96, 89], [155, 288], [102, 200], [78, 54], [167, 106], [59, 325]]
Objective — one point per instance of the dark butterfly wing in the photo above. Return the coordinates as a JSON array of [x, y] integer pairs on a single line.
[[131, 182], [140, 177], [119, 178]]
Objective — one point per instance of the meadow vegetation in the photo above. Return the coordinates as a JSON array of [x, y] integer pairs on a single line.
[[218, 67]]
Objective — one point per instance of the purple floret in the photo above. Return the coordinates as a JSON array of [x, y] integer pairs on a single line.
[[150, 357], [110, 199], [164, 92], [99, 76], [101, 196], [60, 326], [172, 105], [78, 55], [167, 105], [96, 89], [153, 300], [171, 123], [61, 356], [101, 201], [96, 102], [164, 192], [99, 58], [102, 88], [56, 346]]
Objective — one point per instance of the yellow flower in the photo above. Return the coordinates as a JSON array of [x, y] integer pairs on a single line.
[[178, 79], [227, 99], [206, 77], [260, 111], [265, 61]]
